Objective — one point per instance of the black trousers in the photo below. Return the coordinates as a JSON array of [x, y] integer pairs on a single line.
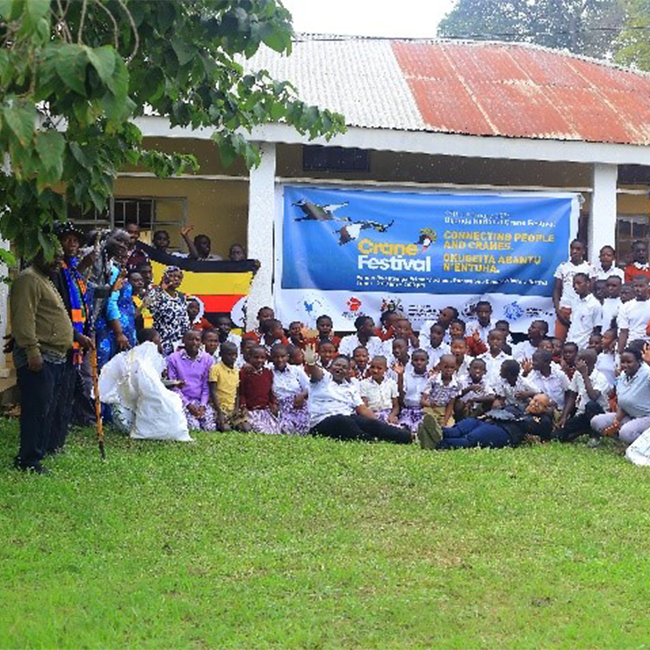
[[40, 415], [356, 427], [578, 425]]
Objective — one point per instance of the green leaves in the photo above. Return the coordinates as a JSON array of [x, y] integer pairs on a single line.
[[103, 59], [71, 63], [20, 117], [50, 146]]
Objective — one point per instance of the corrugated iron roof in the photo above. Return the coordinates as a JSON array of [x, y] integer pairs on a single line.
[[485, 89]]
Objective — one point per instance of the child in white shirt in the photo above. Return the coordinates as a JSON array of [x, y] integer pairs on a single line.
[[412, 380], [634, 316], [586, 313], [379, 392], [495, 355]]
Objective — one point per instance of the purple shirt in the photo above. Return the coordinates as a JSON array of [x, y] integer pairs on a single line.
[[194, 372]]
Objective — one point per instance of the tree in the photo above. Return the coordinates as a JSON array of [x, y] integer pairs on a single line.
[[634, 40], [586, 27], [75, 73]]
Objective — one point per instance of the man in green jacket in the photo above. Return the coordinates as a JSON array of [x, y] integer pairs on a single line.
[[42, 331]]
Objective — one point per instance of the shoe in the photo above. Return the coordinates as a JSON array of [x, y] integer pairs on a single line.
[[429, 432], [592, 443], [31, 469]]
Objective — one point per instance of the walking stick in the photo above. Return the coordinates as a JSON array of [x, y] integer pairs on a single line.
[[98, 403]]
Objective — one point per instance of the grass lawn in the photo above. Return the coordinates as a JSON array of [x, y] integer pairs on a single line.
[[247, 541]]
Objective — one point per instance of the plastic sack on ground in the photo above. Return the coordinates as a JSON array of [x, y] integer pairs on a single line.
[[639, 451], [132, 380]]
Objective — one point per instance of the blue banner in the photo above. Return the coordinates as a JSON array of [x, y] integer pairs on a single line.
[[398, 242]]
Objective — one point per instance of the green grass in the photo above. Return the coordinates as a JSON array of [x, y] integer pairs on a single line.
[[247, 541]]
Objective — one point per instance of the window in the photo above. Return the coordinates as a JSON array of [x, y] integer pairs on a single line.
[[629, 228], [150, 213], [323, 159]]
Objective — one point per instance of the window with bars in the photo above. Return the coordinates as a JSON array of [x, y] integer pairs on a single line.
[[150, 213], [629, 228]]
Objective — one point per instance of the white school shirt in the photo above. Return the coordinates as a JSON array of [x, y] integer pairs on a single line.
[[425, 334], [606, 364], [327, 397], [586, 314], [414, 386], [501, 388], [634, 317], [465, 382], [475, 326], [351, 342], [613, 271], [598, 381], [565, 272], [493, 364], [523, 351], [463, 371], [379, 396], [435, 354], [289, 382], [611, 308], [555, 385]]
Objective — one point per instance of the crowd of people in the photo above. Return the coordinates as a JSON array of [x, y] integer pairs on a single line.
[[453, 384]]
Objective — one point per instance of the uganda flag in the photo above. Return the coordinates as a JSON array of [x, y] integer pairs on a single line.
[[220, 285]]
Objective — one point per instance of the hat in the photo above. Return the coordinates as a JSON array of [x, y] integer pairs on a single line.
[[67, 228]]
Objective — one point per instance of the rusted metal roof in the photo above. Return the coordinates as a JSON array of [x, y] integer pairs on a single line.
[[484, 89]]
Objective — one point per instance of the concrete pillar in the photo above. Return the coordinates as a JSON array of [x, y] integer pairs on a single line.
[[261, 218], [602, 221]]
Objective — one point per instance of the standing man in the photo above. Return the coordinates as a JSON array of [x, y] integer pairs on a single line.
[[70, 284], [42, 332]]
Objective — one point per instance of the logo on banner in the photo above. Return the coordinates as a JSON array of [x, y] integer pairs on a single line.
[[354, 304], [392, 256], [310, 308]]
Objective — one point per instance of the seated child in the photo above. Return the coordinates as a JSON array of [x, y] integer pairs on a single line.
[[272, 333], [326, 353], [439, 396], [380, 393], [360, 358], [399, 355], [324, 327], [256, 398], [504, 326], [445, 317], [224, 385], [245, 348], [511, 389], [474, 397], [290, 388], [387, 320], [296, 337], [459, 351], [192, 366], [195, 310], [495, 355], [475, 346], [296, 356], [402, 330], [595, 342], [412, 380], [210, 340], [223, 325], [606, 360], [435, 346], [587, 397], [569, 358]]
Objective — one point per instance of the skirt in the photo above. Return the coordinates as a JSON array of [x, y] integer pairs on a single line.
[[263, 421], [411, 417], [292, 420]]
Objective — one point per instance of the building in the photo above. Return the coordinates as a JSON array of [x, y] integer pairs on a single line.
[[424, 114]]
